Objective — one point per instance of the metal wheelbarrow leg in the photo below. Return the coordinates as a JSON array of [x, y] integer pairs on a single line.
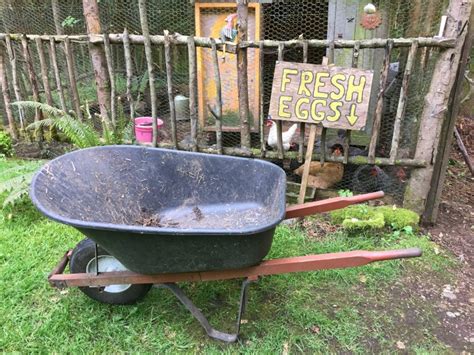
[[212, 332]]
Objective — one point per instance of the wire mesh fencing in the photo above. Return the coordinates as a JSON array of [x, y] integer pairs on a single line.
[[276, 20]]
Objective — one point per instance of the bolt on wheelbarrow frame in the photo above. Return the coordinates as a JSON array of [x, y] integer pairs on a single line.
[[58, 279]]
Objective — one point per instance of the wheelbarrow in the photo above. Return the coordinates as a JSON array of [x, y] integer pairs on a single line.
[[159, 217]]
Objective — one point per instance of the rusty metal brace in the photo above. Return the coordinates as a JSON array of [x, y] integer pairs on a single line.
[[190, 306]]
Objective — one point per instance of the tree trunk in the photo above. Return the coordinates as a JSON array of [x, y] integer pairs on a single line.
[[99, 63], [6, 98], [436, 105]]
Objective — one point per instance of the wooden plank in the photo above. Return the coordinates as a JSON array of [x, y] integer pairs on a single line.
[[169, 82], [379, 107], [323, 145], [57, 76], [193, 114], [129, 73], [336, 97], [217, 112], [72, 78], [150, 67], [242, 79], [402, 102]]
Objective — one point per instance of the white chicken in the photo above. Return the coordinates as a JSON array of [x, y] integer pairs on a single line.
[[287, 136]]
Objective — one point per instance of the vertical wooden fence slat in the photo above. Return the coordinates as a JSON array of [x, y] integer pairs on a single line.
[[279, 123], [72, 78], [57, 75], [149, 62], [302, 126], [6, 97], [169, 81], [218, 110], [322, 146], [242, 74], [193, 115], [110, 69], [402, 102], [261, 98], [33, 84], [348, 133], [129, 72], [16, 87], [44, 71], [379, 107]]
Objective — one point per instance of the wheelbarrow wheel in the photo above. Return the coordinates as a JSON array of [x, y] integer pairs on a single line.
[[83, 261]]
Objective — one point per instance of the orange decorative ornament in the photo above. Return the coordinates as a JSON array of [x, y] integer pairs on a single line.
[[371, 18]]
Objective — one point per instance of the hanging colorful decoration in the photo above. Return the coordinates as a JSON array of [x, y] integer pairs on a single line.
[[229, 31], [371, 18]]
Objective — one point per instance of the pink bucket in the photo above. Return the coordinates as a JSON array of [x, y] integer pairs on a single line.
[[144, 129]]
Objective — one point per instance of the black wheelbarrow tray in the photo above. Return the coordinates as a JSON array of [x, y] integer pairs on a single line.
[[156, 216]]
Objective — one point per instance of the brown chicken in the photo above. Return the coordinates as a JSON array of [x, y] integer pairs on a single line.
[[326, 175]]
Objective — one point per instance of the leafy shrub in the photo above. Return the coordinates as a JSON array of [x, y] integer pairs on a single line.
[[399, 218], [15, 182], [6, 147]]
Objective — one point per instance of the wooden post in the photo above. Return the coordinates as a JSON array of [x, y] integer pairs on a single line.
[[193, 114], [309, 154], [322, 146], [57, 76], [44, 71], [6, 98], [169, 81], [149, 62], [34, 85], [242, 79], [16, 87], [379, 108], [98, 60], [217, 113], [278, 122], [432, 117], [110, 70], [72, 78], [261, 120], [129, 72], [302, 126], [402, 102], [56, 17]]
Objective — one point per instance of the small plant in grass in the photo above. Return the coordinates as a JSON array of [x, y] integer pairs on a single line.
[[399, 218], [6, 146], [345, 193]]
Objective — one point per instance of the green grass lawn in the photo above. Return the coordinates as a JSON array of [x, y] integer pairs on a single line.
[[348, 310]]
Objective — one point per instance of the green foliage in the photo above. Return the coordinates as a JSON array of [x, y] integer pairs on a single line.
[[399, 218], [81, 134], [345, 193], [15, 182], [70, 21], [366, 217], [6, 147]]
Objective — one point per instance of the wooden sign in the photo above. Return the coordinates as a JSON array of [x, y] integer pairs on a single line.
[[332, 96]]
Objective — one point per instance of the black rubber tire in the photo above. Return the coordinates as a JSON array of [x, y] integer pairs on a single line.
[[82, 254]]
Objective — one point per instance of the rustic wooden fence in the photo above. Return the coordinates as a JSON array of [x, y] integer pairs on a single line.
[[417, 193]]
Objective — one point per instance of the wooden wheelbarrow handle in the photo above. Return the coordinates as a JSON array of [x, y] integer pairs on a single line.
[[307, 209]]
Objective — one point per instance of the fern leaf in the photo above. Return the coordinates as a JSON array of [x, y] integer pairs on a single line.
[[15, 195]]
